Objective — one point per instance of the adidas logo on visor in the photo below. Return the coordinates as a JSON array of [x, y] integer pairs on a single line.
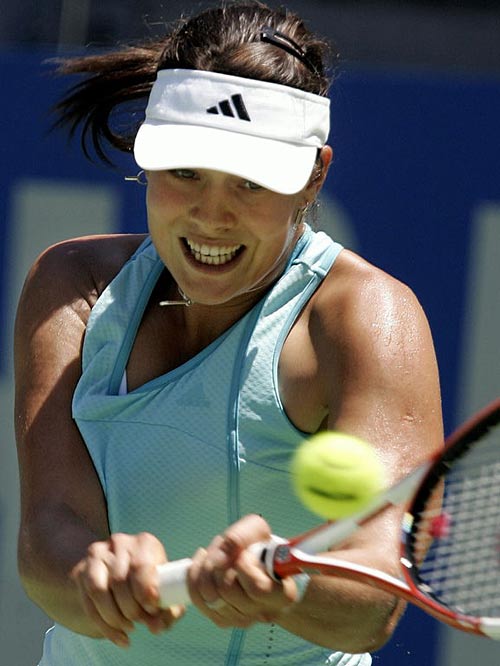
[[236, 108]]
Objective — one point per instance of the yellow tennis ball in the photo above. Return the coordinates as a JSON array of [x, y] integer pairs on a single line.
[[336, 475]]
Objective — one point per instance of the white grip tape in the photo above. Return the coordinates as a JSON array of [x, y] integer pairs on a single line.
[[172, 579], [172, 582], [172, 575]]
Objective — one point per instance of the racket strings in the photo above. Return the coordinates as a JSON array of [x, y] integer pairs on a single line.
[[456, 533]]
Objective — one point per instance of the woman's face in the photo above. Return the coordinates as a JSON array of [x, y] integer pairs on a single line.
[[220, 236]]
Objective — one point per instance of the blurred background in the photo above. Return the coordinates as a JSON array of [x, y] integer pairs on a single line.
[[415, 188]]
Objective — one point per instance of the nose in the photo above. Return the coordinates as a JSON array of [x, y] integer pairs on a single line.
[[212, 206]]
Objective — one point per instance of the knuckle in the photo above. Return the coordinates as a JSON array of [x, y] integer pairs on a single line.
[[96, 548], [95, 589], [243, 622], [118, 578], [233, 540], [267, 618], [200, 554], [78, 571], [146, 539], [260, 589], [221, 622], [117, 539], [171, 615]]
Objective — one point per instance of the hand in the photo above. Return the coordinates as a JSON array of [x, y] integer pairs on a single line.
[[118, 586], [227, 583]]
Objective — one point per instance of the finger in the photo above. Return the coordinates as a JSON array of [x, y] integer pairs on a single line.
[[134, 577], [234, 607], [126, 589], [236, 538], [206, 596], [252, 577], [94, 584], [267, 594], [147, 554], [119, 638], [201, 583], [170, 616], [114, 634], [118, 565], [236, 595], [226, 614], [216, 605], [122, 589]]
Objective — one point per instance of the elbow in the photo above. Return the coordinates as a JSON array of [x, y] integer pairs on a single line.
[[26, 566], [57, 598], [31, 574]]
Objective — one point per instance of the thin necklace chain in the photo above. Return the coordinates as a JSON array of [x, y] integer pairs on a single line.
[[185, 300]]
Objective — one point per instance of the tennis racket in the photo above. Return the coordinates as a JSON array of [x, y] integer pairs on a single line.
[[450, 537]]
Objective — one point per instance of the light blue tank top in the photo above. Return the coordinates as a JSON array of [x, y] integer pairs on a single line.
[[173, 462]]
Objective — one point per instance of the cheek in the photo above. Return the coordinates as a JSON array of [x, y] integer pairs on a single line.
[[160, 193], [163, 206], [275, 224], [157, 197]]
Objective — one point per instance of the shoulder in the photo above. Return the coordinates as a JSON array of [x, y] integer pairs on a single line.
[[370, 333], [88, 259], [66, 280], [362, 339], [79, 269], [358, 299], [376, 369]]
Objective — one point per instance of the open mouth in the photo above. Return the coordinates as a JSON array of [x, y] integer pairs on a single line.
[[212, 255]]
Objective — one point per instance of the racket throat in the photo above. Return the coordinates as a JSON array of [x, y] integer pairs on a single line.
[[275, 552]]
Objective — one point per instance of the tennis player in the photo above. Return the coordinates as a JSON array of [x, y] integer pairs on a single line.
[[164, 380]]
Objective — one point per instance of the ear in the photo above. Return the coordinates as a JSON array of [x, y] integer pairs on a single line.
[[320, 172]]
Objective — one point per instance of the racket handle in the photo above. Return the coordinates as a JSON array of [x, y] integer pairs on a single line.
[[173, 584], [172, 575]]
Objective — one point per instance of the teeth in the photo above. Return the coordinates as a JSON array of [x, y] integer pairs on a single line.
[[211, 254]]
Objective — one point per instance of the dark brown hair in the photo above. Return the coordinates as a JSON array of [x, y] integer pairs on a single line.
[[107, 105]]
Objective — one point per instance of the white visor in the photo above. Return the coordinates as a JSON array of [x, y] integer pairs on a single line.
[[263, 132]]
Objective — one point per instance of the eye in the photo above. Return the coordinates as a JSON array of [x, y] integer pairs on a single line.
[[250, 185], [186, 174]]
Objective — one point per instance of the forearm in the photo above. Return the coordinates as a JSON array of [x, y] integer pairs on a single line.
[[343, 615]]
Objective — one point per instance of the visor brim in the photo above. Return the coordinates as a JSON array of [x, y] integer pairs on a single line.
[[276, 165]]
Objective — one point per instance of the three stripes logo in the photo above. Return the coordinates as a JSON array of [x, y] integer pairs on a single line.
[[231, 107]]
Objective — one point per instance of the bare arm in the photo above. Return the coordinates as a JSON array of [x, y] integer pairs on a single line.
[[360, 360], [379, 379], [63, 509], [62, 505]]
